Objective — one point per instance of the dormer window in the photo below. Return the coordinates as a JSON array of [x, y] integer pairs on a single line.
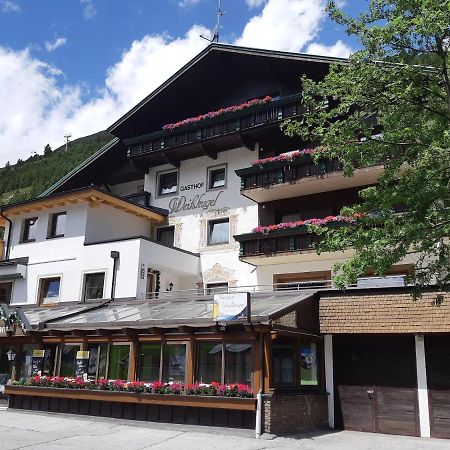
[[58, 225], [29, 229], [168, 183]]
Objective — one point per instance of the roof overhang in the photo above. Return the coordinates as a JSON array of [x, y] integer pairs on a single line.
[[216, 65], [93, 196]]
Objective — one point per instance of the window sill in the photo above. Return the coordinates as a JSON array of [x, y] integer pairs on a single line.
[[27, 241]]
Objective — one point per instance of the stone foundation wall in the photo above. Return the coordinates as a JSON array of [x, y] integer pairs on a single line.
[[293, 413]]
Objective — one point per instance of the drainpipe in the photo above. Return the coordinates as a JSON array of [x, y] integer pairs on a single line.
[[259, 399], [115, 256], [8, 241]]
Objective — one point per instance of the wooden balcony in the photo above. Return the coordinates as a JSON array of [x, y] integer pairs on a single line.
[[257, 247], [210, 136], [283, 246], [302, 176]]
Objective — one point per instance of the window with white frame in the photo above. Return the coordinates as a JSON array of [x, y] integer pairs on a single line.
[[93, 285], [49, 290], [217, 177], [168, 182], [218, 231]]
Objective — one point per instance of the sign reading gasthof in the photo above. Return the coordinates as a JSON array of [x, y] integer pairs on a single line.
[[230, 307]]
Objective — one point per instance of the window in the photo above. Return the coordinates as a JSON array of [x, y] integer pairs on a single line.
[[93, 285], [98, 355], [224, 363], [209, 363], [166, 363], [217, 177], [308, 364], [119, 356], [5, 293], [218, 232], [68, 360], [283, 365], [166, 235], [216, 288], [150, 362], [167, 183], [49, 290], [57, 225], [174, 363], [238, 363], [29, 229]]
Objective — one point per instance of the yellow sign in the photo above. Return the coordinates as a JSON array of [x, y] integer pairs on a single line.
[[38, 353], [82, 355]]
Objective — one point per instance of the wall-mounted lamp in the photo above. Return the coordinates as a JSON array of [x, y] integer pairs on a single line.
[[11, 354]]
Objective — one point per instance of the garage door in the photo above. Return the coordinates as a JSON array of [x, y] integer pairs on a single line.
[[375, 384], [437, 351]]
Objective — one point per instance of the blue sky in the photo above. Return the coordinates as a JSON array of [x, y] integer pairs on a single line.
[[77, 65]]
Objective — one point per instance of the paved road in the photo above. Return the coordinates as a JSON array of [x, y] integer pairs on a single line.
[[30, 430]]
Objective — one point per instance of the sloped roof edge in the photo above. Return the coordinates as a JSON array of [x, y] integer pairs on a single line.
[[81, 166], [223, 48]]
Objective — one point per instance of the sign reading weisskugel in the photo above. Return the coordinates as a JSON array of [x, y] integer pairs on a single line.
[[229, 307]]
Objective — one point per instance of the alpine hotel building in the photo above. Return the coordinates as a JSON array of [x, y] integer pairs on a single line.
[[117, 264]]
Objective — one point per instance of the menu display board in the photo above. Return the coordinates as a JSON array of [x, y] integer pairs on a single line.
[[37, 362], [82, 364]]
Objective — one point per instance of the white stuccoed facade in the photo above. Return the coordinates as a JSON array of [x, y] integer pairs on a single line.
[[219, 263], [90, 236]]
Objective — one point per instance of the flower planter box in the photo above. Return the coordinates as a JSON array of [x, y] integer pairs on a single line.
[[244, 404], [166, 408]]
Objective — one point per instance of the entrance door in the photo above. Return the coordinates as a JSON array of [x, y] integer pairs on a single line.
[[376, 386], [438, 377]]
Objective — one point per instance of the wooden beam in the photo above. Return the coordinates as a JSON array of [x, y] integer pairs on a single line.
[[130, 332], [78, 333], [185, 329], [207, 151], [103, 332], [247, 143], [267, 362], [156, 330], [171, 161], [134, 358]]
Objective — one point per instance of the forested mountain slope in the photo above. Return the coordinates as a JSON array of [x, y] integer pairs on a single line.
[[29, 178]]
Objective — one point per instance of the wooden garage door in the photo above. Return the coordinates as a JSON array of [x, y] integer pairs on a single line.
[[376, 386], [437, 351]]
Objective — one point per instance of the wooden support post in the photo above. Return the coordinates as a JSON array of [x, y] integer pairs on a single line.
[[257, 363], [134, 356], [267, 362], [190, 363]]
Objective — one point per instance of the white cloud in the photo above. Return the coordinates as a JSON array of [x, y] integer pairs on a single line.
[[188, 3], [9, 6], [284, 25], [255, 3], [339, 49], [89, 10], [52, 46], [41, 107]]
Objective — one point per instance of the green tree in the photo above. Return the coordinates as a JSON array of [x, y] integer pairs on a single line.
[[382, 107], [47, 150]]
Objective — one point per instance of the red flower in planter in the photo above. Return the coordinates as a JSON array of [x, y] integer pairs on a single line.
[[221, 111]]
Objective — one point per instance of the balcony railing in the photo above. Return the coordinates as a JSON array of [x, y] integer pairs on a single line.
[[205, 294], [280, 241], [286, 172], [237, 122]]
